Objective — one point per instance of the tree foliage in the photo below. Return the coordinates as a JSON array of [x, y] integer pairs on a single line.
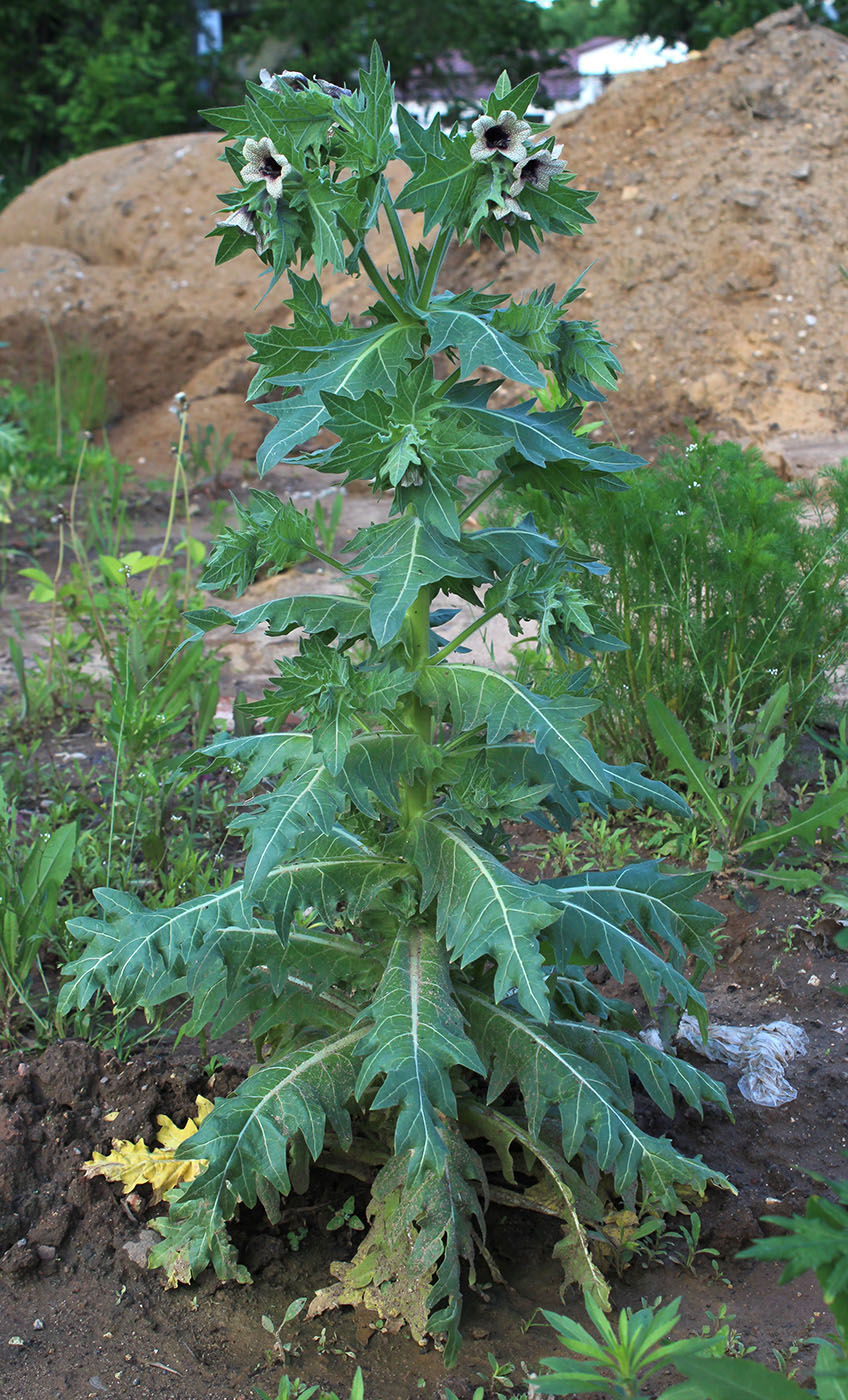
[[694, 22]]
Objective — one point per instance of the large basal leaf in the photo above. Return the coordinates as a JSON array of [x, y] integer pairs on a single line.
[[245, 1142], [317, 614], [478, 342], [404, 555], [621, 1055], [231, 977], [420, 1232], [308, 800], [644, 791], [139, 956], [336, 874], [595, 1122], [477, 696], [482, 908], [415, 1039], [328, 975], [599, 906]]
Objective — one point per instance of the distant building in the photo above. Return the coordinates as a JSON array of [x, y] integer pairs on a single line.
[[577, 80], [599, 60]]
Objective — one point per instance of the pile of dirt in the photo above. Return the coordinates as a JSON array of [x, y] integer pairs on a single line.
[[716, 255]]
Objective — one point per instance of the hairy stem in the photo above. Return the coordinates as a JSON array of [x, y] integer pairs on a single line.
[[470, 506], [415, 796], [378, 282], [464, 635], [434, 263], [407, 262]]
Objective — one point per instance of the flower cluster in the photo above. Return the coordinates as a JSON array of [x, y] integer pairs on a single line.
[[505, 137], [276, 82]]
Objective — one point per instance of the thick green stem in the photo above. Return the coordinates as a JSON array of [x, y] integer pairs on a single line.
[[445, 385], [434, 264], [407, 262], [464, 635], [415, 796], [378, 282], [470, 506]]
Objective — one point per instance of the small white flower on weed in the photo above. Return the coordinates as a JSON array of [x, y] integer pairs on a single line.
[[504, 135], [537, 170], [262, 162], [510, 209], [244, 219], [239, 218]]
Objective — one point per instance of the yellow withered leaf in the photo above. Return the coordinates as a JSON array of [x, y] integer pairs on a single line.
[[135, 1164]]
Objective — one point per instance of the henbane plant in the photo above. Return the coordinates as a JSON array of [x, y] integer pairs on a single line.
[[413, 999]]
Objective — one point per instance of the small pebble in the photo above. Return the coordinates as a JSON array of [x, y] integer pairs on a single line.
[[38, 1325]]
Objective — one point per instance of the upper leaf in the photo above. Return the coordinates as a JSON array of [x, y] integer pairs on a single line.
[[404, 555], [318, 614], [542, 438], [478, 696], [442, 171], [477, 341]]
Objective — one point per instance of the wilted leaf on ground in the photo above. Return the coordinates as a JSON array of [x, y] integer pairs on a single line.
[[135, 1164]]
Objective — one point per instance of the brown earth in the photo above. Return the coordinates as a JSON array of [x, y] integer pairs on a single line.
[[81, 1317], [721, 230]]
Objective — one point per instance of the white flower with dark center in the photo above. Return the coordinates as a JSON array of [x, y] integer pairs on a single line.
[[241, 219], [504, 135], [264, 163], [244, 219], [510, 208], [537, 170]]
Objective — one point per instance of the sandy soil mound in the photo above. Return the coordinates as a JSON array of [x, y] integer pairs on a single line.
[[721, 230]]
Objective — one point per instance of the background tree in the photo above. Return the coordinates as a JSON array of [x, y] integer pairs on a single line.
[[333, 41], [74, 79], [694, 22]]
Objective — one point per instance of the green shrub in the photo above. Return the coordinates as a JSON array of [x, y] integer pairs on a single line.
[[724, 582]]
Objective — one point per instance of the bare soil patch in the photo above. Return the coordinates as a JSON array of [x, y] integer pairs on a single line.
[[92, 1321]]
